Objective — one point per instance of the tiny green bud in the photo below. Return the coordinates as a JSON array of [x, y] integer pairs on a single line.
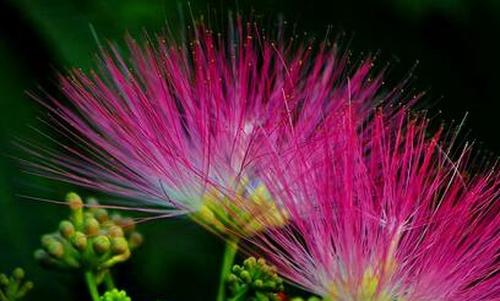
[[101, 244], [74, 201], [4, 280], [40, 255], [245, 276], [119, 245], [91, 226], [250, 262], [66, 229], [29, 285], [135, 240], [18, 273], [232, 278], [79, 241], [46, 240], [236, 269], [55, 249], [115, 231], [258, 283], [126, 223], [101, 215]]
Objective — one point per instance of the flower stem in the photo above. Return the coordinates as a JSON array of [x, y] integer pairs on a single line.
[[108, 280], [227, 262], [92, 286]]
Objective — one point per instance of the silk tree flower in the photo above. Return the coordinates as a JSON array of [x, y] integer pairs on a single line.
[[380, 211], [179, 126]]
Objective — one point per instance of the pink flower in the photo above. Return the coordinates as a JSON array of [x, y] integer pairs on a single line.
[[180, 126], [379, 211]]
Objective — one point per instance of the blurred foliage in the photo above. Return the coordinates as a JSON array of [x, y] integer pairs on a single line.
[[456, 42]]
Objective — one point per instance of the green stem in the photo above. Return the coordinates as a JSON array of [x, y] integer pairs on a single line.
[[3, 297], [108, 280], [227, 263], [92, 286]]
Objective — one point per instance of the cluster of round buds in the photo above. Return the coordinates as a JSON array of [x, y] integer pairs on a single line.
[[14, 287], [90, 239], [115, 295], [249, 211], [255, 281]]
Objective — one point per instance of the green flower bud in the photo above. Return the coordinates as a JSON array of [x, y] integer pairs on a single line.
[[236, 269], [4, 280], [46, 240], [232, 278], [74, 201], [250, 262], [40, 255], [245, 276], [101, 244], [101, 215], [55, 249], [66, 229], [79, 241], [115, 231], [119, 245], [135, 240], [76, 206], [258, 283], [127, 223], [91, 226], [18, 273]]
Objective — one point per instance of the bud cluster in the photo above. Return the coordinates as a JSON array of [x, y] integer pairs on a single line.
[[90, 239], [115, 295], [254, 281], [14, 287], [249, 211]]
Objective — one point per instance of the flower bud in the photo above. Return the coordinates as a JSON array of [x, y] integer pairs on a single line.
[[76, 206], [55, 249], [74, 201], [4, 280], [40, 255], [101, 244], [18, 273], [127, 223], [258, 283], [79, 241], [232, 278], [46, 240], [115, 231], [119, 245], [101, 215], [245, 276], [66, 229], [135, 240], [250, 262], [91, 226]]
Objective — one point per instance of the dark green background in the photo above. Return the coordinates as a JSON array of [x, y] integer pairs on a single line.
[[455, 42]]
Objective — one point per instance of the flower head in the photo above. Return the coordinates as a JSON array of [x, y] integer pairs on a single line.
[[379, 211], [180, 126]]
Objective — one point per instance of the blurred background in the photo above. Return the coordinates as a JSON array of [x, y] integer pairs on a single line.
[[455, 42]]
